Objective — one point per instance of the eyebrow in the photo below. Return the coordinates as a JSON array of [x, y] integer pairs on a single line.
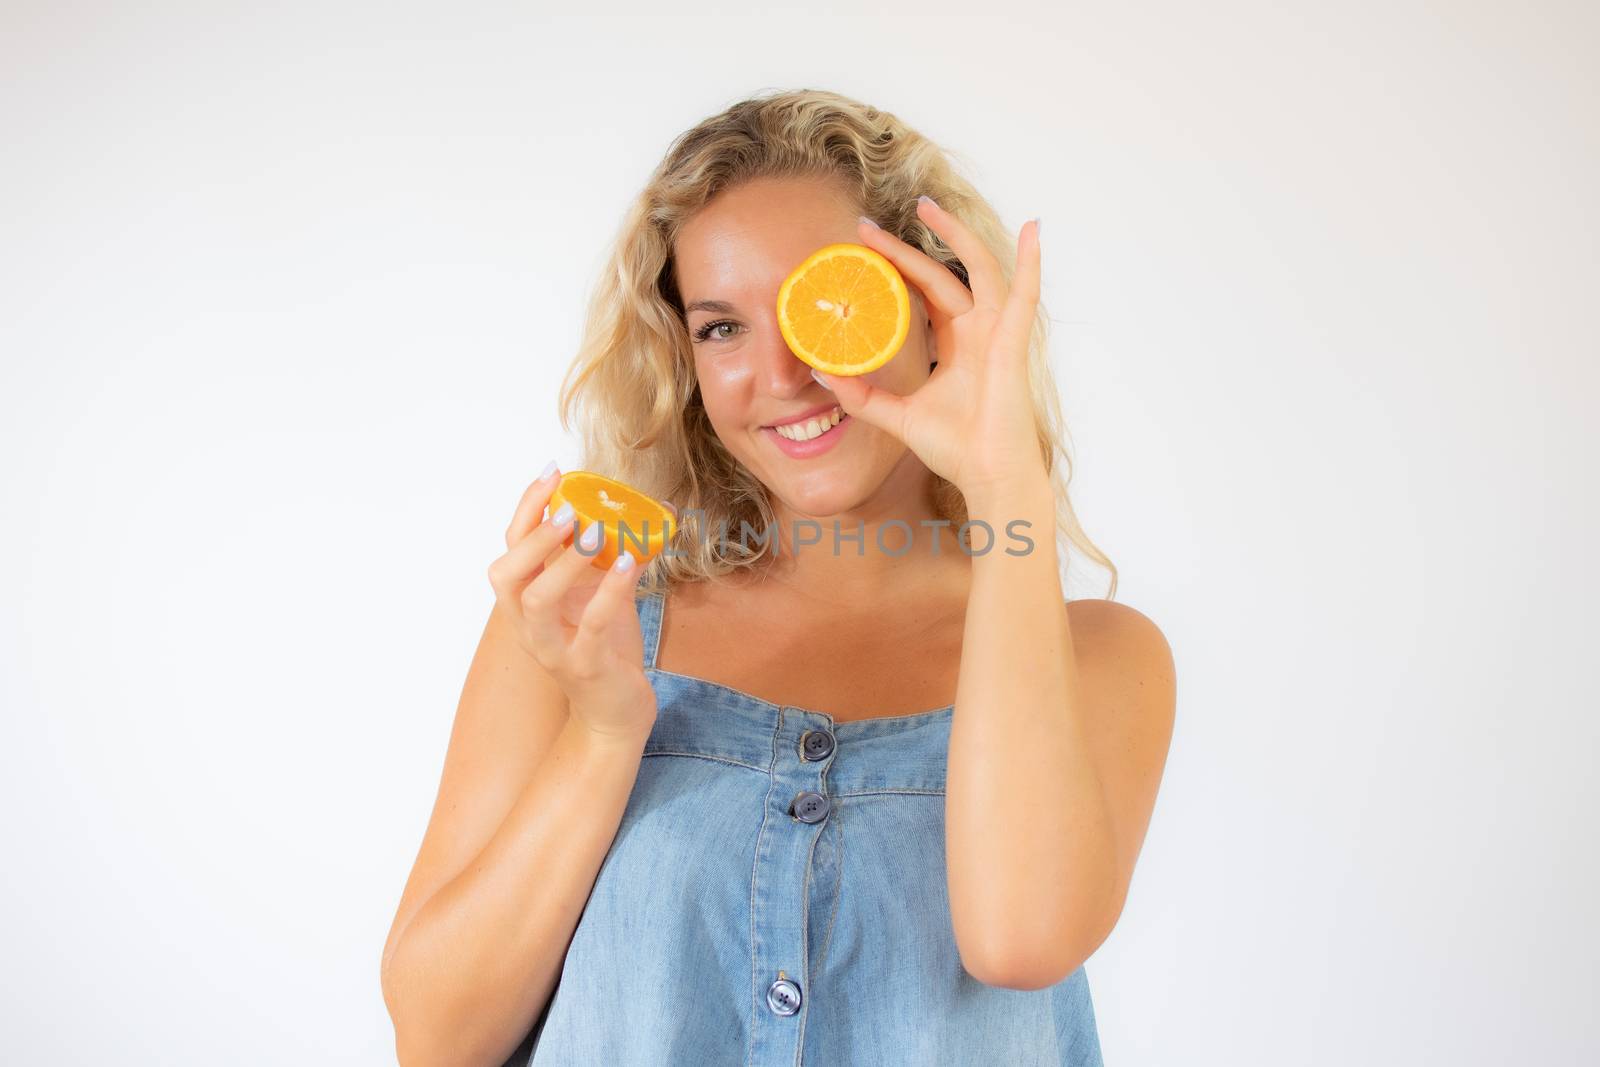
[[721, 307]]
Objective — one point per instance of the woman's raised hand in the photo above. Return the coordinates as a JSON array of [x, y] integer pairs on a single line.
[[577, 621], [972, 421]]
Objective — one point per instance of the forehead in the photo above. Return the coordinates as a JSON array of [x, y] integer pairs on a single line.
[[741, 245]]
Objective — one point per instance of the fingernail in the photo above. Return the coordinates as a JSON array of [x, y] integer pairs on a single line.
[[1037, 225], [548, 471], [624, 562], [820, 382], [563, 514], [589, 540], [929, 199], [869, 222]]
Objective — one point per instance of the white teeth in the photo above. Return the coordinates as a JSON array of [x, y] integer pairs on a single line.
[[806, 431]]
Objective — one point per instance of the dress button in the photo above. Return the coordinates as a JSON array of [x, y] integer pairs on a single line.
[[816, 744], [783, 997], [809, 807]]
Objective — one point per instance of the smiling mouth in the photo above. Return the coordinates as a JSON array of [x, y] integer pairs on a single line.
[[810, 429]]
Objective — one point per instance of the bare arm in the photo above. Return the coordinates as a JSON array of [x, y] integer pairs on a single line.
[[543, 756], [465, 978], [1056, 753]]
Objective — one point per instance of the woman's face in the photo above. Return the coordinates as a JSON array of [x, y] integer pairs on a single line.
[[734, 255]]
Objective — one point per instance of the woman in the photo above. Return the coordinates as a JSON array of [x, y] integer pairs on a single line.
[[723, 809]]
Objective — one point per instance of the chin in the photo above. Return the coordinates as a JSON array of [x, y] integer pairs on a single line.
[[821, 498]]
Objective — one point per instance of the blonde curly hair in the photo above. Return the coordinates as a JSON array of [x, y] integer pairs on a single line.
[[632, 387]]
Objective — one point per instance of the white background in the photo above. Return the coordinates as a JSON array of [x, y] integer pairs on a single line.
[[285, 295]]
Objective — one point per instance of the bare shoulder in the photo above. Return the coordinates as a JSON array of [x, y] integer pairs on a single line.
[[1116, 623], [1123, 655], [1127, 690]]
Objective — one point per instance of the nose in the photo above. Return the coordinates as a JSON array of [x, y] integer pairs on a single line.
[[781, 373]]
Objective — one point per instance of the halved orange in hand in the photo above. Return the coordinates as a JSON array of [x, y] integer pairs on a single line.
[[628, 519], [844, 310]]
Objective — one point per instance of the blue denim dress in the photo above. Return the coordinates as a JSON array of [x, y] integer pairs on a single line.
[[775, 896]]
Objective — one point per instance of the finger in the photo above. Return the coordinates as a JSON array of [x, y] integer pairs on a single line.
[[983, 270], [541, 598], [871, 404], [604, 610], [942, 291], [1012, 332], [532, 505], [521, 563]]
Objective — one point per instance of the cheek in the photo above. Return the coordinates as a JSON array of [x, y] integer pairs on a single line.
[[724, 390]]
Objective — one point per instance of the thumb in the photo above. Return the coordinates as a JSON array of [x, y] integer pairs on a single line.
[[860, 400]]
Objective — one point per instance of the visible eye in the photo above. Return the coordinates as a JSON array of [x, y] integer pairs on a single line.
[[705, 329]]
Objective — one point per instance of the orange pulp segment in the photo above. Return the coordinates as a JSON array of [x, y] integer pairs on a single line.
[[628, 519], [844, 310]]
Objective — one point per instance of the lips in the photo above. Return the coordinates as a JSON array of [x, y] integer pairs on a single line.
[[824, 441], [812, 428], [804, 416]]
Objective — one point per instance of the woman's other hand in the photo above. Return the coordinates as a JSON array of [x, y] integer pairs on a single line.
[[578, 622]]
